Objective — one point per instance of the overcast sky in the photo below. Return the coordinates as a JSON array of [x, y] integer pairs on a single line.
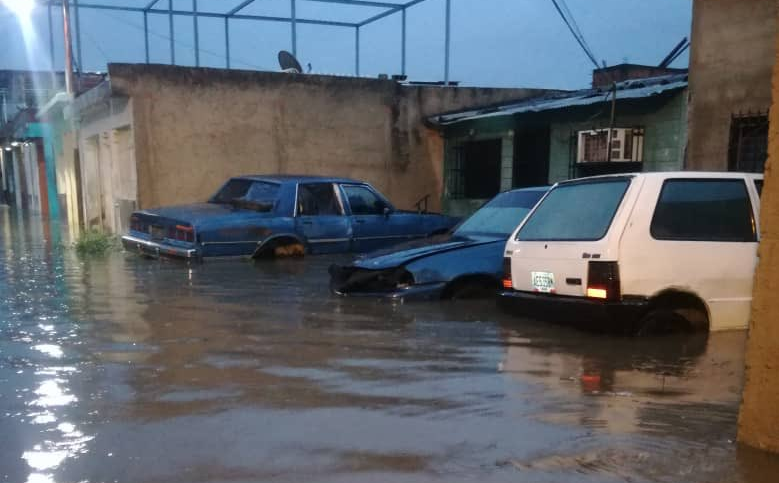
[[504, 43]]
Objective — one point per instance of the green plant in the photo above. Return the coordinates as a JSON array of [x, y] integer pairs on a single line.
[[94, 242]]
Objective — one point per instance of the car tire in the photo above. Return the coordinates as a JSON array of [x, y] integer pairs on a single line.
[[471, 291], [289, 250], [662, 322]]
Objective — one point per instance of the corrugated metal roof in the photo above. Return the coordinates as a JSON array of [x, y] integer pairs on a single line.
[[632, 89]]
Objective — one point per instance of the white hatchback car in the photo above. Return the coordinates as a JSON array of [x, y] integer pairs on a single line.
[[644, 253]]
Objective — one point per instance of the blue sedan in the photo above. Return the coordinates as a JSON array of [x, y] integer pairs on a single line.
[[465, 263], [266, 216]]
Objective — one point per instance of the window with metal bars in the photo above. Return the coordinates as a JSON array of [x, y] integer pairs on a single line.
[[474, 171], [748, 148]]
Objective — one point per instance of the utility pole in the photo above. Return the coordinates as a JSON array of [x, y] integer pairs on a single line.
[[68, 47], [612, 120]]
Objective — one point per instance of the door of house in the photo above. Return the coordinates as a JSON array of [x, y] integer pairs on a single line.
[[531, 157]]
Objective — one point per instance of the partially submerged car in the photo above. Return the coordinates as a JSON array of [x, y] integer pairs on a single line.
[[465, 263], [641, 253], [264, 216]]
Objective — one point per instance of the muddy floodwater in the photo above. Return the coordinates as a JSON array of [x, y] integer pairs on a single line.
[[120, 369]]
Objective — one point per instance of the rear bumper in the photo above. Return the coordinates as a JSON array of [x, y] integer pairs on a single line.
[[596, 314], [429, 291], [156, 250]]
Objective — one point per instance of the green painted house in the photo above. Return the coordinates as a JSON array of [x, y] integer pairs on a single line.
[[563, 135]]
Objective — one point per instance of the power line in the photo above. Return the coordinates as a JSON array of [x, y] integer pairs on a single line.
[[579, 38], [575, 25]]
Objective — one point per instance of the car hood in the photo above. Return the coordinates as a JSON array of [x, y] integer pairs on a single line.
[[201, 213], [414, 250]]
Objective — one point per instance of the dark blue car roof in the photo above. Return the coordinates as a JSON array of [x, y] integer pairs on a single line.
[[292, 178]]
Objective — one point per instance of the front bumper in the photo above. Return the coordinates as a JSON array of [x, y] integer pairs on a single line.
[[157, 250], [392, 284], [621, 316]]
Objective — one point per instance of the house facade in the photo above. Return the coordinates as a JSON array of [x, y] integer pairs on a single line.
[[563, 135]]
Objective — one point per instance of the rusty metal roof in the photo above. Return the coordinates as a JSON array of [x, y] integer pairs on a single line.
[[631, 89]]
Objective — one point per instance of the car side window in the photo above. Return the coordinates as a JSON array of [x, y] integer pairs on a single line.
[[704, 210], [317, 199], [364, 201], [759, 186]]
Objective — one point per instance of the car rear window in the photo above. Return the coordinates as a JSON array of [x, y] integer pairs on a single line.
[[580, 211], [240, 189], [501, 215], [704, 210]]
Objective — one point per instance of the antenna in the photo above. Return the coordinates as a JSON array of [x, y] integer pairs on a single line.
[[289, 63], [674, 53]]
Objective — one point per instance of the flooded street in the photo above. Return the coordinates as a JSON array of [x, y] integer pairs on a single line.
[[131, 370]]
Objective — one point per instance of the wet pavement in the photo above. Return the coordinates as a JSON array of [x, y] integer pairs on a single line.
[[130, 370]]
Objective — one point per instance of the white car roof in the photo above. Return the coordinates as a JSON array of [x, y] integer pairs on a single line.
[[675, 174]]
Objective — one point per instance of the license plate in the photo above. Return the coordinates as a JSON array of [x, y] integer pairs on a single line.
[[157, 232], [542, 281]]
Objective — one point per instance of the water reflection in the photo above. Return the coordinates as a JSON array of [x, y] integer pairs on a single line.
[[236, 371], [32, 305]]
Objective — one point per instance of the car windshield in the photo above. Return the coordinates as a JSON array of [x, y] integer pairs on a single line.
[[246, 193], [576, 211], [500, 216]]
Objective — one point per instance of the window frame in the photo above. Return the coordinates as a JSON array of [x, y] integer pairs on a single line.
[[370, 188], [298, 214], [753, 221], [609, 179]]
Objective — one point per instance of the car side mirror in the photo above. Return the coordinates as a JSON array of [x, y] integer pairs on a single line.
[[387, 210]]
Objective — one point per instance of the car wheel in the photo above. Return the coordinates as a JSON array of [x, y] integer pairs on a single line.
[[663, 322], [289, 250], [470, 291]]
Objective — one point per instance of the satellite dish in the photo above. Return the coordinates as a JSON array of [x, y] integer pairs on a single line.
[[289, 63]]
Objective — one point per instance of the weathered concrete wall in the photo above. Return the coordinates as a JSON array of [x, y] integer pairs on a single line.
[[730, 71], [108, 170], [193, 128], [759, 418]]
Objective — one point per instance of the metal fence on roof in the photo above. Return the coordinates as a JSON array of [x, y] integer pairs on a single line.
[[238, 12]]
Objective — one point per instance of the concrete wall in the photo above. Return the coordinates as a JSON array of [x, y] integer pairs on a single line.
[[730, 71], [759, 418], [193, 128], [108, 170], [665, 135]]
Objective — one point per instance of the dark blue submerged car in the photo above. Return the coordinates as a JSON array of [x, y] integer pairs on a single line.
[[466, 263], [269, 216]]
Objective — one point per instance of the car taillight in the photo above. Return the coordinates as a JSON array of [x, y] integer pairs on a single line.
[[603, 281], [185, 233], [507, 283]]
